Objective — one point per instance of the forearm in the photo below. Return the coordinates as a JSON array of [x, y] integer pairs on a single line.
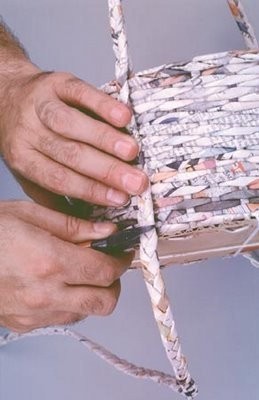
[[14, 60], [15, 66], [10, 45]]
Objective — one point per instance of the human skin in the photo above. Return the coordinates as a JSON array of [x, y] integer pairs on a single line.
[[60, 137], [50, 139], [46, 277]]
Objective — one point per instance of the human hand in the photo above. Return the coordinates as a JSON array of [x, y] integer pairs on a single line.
[[54, 149], [45, 277]]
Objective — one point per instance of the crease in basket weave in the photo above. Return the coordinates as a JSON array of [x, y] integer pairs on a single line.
[[182, 381]]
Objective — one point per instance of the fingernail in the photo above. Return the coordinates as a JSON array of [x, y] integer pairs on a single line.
[[116, 197], [103, 228], [133, 183], [124, 148]]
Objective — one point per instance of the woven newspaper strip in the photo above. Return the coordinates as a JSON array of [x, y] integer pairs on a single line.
[[199, 130], [243, 23], [198, 127]]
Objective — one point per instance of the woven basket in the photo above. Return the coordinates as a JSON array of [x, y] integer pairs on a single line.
[[198, 127], [197, 124]]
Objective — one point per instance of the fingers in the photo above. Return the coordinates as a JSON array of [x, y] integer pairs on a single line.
[[71, 304], [26, 323], [43, 274], [58, 179], [68, 263], [73, 124], [78, 208], [89, 300], [63, 226], [66, 152], [93, 268], [93, 163], [73, 90]]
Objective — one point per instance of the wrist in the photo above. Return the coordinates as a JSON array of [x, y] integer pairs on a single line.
[[14, 70], [14, 60], [13, 75]]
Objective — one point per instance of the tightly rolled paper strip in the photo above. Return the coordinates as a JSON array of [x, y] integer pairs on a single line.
[[243, 23]]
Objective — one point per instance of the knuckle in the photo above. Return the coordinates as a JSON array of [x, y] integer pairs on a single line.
[[62, 76], [85, 274], [53, 115], [96, 192], [68, 153], [36, 300], [102, 273], [108, 275], [45, 110], [29, 169], [76, 88], [73, 226], [100, 302], [65, 152], [44, 76], [13, 154], [24, 323], [57, 180], [110, 302], [103, 140], [111, 171], [70, 318], [92, 190], [104, 102], [92, 305], [46, 268]]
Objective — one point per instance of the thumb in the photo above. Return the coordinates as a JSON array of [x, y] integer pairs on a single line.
[[65, 227]]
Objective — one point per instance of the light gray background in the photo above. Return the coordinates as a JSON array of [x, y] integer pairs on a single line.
[[216, 303]]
